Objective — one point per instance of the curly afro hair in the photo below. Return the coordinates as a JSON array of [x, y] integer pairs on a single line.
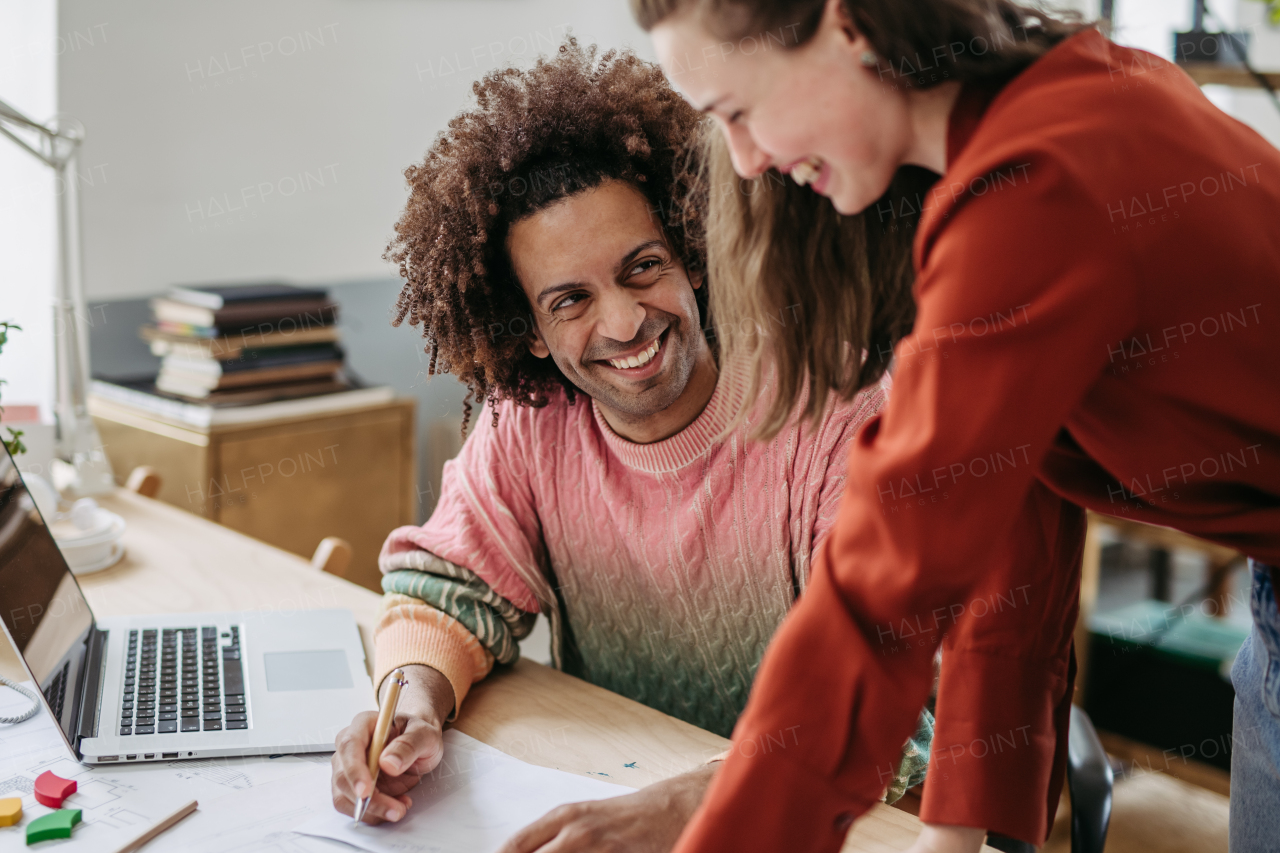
[[536, 135]]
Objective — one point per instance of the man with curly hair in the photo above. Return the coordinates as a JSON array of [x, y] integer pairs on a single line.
[[609, 489]]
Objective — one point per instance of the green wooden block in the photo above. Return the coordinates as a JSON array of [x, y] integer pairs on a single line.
[[51, 826]]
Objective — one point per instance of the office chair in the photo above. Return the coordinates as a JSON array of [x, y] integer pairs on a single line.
[[1089, 782]]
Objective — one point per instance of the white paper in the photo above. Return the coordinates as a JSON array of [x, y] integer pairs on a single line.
[[471, 803], [120, 802], [258, 819]]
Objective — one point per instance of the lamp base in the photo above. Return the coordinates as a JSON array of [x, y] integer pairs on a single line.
[[82, 468]]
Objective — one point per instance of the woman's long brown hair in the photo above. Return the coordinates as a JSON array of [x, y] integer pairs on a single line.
[[818, 297], [797, 286]]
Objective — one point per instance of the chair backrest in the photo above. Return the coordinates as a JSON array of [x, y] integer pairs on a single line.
[[333, 555], [1090, 780], [144, 480]]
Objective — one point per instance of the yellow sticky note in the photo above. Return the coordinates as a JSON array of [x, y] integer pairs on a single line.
[[10, 811]]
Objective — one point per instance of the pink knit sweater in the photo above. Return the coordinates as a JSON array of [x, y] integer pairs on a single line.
[[665, 568]]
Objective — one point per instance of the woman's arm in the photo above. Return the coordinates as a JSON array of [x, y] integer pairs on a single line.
[[943, 509]]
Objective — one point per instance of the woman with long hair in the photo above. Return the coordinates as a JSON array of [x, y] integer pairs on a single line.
[[1088, 322]]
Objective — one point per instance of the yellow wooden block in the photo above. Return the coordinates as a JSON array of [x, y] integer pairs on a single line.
[[10, 811]]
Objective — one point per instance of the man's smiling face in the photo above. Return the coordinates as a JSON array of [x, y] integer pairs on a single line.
[[615, 309]]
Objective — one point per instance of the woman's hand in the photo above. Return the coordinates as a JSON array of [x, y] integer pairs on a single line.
[[648, 821], [414, 747], [936, 838]]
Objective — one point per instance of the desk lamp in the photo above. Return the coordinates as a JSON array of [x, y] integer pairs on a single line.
[[81, 468]]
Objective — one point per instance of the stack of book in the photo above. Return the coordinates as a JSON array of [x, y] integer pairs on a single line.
[[246, 344]]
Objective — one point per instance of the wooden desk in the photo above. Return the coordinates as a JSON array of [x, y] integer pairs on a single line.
[[178, 562]]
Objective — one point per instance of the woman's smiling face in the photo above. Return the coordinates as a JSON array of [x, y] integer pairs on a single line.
[[816, 112]]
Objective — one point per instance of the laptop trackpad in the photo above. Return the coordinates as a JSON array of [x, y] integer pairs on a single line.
[[326, 670]]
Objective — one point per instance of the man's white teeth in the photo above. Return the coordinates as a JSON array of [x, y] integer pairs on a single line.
[[807, 171], [637, 360]]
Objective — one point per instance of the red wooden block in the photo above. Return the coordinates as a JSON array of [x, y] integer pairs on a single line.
[[52, 790]]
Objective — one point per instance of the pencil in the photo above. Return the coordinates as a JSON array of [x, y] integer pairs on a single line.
[[386, 714], [159, 828]]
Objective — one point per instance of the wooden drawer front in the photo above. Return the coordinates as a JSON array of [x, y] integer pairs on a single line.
[[181, 457]]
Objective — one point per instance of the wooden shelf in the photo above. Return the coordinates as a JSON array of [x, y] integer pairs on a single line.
[[289, 482], [1212, 74]]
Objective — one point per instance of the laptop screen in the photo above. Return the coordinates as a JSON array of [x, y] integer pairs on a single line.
[[43, 611]]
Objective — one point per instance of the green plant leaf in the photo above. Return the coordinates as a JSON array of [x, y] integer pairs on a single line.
[[14, 442]]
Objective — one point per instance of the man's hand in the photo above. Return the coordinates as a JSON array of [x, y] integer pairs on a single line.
[[937, 838], [648, 821], [414, 747]]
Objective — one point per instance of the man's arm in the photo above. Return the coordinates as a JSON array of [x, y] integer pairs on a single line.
[[444, 630], [464, 588], [415, 749], [443, 615], [445, 622]]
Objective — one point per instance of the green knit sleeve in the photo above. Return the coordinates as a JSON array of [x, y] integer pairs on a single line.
[[915, 759], [497, 623]]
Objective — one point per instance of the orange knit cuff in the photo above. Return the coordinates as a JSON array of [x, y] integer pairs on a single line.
[[411, 632]]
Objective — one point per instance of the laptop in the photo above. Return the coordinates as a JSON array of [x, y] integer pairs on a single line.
[[171, 686]]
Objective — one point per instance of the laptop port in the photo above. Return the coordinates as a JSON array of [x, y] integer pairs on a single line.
[[108, 758], [133, 757], [149, 755], [169, 755]]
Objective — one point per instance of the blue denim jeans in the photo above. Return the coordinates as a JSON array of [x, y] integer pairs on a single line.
[[1255, 754]]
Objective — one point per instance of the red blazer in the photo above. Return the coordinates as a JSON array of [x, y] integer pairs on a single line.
[[1099, 326]]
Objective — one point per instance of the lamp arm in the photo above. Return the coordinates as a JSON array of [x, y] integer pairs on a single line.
[[78, 443], [20, 142], [50, 136]]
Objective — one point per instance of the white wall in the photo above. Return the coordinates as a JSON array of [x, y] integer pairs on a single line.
[[241, 139], [1253, 106], [1150, 24], [29, 46]]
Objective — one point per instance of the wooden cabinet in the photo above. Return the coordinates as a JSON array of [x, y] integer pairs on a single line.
[[289, 482]]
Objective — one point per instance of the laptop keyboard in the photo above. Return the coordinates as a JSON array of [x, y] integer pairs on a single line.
[[56, 692], [195, 685]]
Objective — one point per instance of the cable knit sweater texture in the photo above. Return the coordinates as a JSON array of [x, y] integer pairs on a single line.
[[664, 568]]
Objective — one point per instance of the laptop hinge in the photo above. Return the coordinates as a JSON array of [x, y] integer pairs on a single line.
[[91, 686]]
